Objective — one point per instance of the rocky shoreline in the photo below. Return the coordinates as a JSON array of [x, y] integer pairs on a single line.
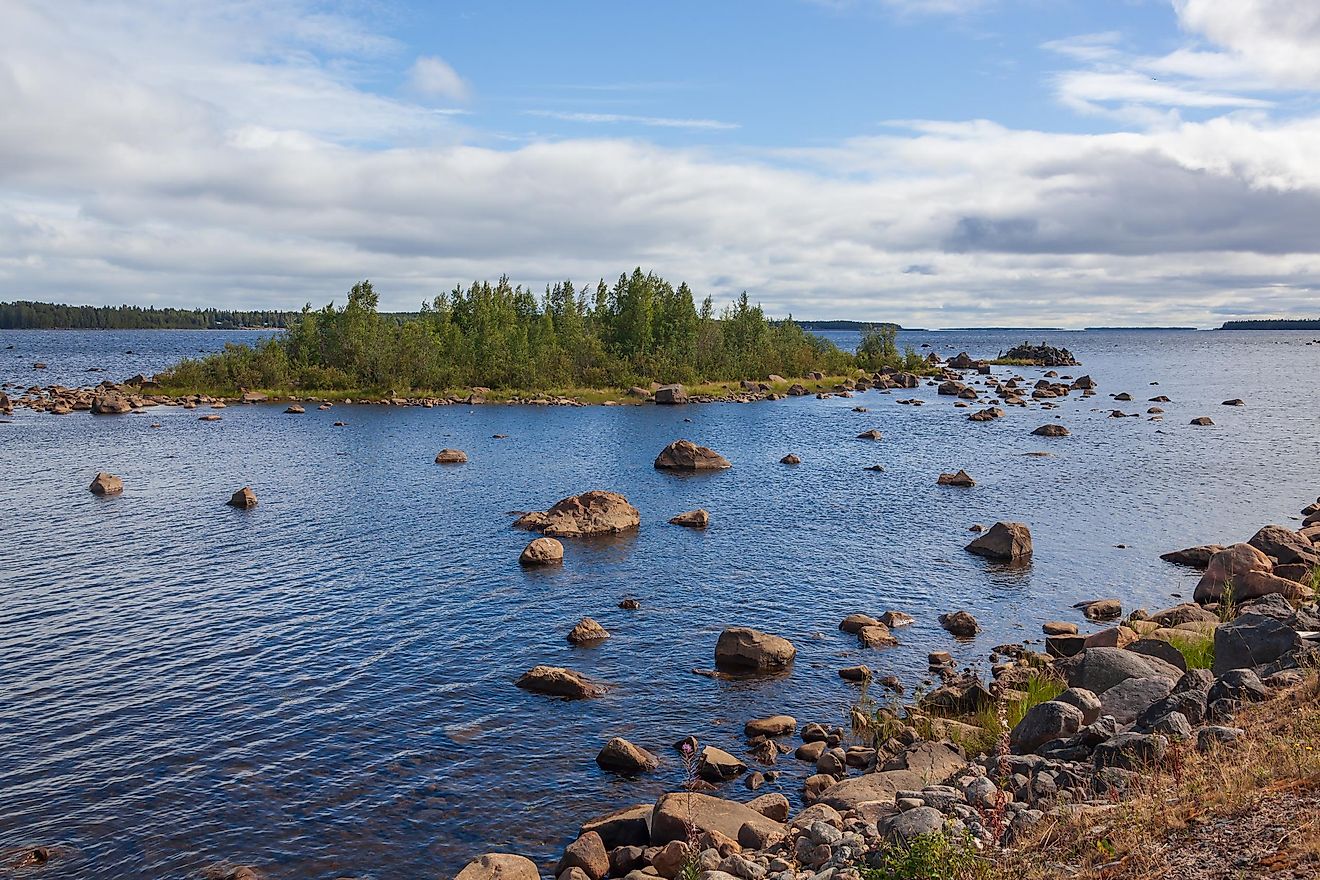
[[1126, 702]]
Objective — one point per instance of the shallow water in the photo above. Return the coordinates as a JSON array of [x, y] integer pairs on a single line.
[[323, 685]]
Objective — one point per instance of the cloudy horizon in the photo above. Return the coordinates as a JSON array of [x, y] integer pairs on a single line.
[[935, 163]]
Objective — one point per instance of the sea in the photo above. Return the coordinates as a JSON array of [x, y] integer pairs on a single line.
[[323, 686]]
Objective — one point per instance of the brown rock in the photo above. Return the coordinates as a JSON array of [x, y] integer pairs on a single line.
[[243, 499], [1101, 609], [684, 455], [586, 631], [1202, 421], [893, 619], [962, 478], [588, 854], [693, 519], [1006, 541], [555, 681], [853, 623], [295, 409], [591, 513], [499, 866], [451, 456], [872, 434], [671, 395], [673, 812], [1193, 557], [772, 806], [1059, 628], [542, 551], [1051, 430], [1243, 572], [790, 459], [961, 624], [877, 636], [774, 725], [621, 756], [855, 673], [717, 765], [106, 484], [110, 404], [743, 648]]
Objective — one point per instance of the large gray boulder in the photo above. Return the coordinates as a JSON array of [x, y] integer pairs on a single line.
[[912, 824], [1044, 722], [1252, 640], [1099, 669], [1132, 751], [1128, 699]]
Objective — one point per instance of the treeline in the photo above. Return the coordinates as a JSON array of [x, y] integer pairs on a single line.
[[638, 330], [53, 316], [1274, 324]]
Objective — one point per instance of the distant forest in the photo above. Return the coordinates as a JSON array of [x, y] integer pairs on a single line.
[[1274, 324], [52, 316]]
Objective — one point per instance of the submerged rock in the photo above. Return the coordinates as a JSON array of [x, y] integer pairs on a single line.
[[556, 681], [693, 519], [106, 484], [1052, 430], [587, 631], [961, 478], [451, 456], [1006, 541], [243, 499], [621, 756]]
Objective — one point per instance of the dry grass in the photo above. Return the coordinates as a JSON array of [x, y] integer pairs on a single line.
[[1251, 809]]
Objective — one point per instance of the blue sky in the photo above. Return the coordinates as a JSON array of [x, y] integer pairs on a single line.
[[934, 162]]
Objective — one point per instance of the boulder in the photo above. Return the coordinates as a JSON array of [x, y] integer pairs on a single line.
[[893, 619], [1132, 751], [961, 478], [106, 484], [621, 756], [499, 866], [671, 395], [1193, 557], [684, 455], [542, 551], [1179, 614], [961, 624], [586, 631], [1065, 644], [591, 513], [1160, 649], [674, 812], [1202, 421], [693, 519], [1128, 699], [588, 854], [1052, 430], [877, 636], [1242, 685], [1286, 546], [1242, 572], [745, 649], [1005, 541], [772, 806], [1053, 719], [912, 769], [555, 681], [717, 765], [451, 456], [1099, 669], [855, 673], [774, 725], [854, 623], [1112, 637], [1058, 628], [1083, 700], [294, 409], [790, 459], [1101, 609], [873, 434], [1252, 640], [911, 824], [243, 499], [110, 405], [630, 826]]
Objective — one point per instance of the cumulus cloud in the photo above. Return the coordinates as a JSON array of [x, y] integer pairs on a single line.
[[434, 77], [204, 162]]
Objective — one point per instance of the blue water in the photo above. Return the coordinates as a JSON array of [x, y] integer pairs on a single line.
[[323, 686]]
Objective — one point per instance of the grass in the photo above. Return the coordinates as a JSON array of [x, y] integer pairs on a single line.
[[1198, 650], [929, 857], [1184, 806]]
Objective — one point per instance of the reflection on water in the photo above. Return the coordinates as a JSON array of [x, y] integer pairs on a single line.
[[323, 685]]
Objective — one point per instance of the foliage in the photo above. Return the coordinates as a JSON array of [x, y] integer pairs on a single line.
[[52, 316], [1197, 649], [1039, 689], [928, 857], [502, 336]]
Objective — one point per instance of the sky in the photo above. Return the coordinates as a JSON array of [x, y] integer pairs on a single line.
[[938, 163]]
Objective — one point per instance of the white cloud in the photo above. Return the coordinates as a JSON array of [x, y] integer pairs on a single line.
[[432, 76], [1280, 39], [210, 154], [651, 121]]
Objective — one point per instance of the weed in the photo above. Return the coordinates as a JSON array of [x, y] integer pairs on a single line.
[[929, 857], [1198, 650]]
